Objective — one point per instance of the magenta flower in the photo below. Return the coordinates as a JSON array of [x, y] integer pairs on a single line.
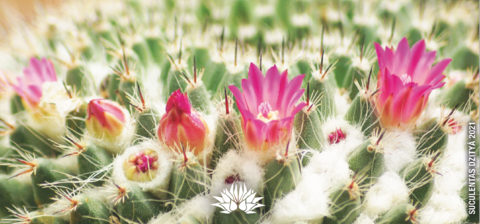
[[267, 105], [405, 79], [29, 87]]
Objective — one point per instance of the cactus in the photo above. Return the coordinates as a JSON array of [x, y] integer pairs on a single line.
[[151, 111]]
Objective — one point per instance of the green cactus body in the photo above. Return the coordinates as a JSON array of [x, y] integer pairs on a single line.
[[93, 159], [188, 219], [353, 73], [367, 160], [112, 86], [465, 58], [75, 121], [228, 136], [48, 171], [304, 68], [147, 121], [14, 192], [326, 87], [362, 113], [156, 50], [78, 79], [230, 78], [459, 94], [127, 88], [214, 73], [202, 57], [138, 206], [31, 140], [165, 70], [400, 214], [141, 50], [40, 218], [281, 177], [307, 125], [236, 217], [341, 69], [419, 179], [187, 181], [241, 13], [346, 203], [90, 210], [16, 104], [199, 97], [431, 137]]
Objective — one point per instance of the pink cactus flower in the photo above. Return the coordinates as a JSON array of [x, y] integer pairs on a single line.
[[29, 87], [181, 126], [105, 119], [405, 79], [267, 105]]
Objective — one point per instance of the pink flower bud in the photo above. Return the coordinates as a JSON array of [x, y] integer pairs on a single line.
[[29, 87], [181, 126], [336, 136], [405, 79], [267, 105], [105, 119]]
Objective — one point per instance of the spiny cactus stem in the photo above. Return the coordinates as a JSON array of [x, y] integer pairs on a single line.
[[236, 49], [222, 37], [32, 165], [117, 92], [380, 137], [8, 124], [308, 94], [68, 91], [259, 46], [353, 41], [125, 61], [227, 110], [141, 96], [326, 70], [186, 78], [80, 147], [392, 31], [286, 149], [368, 80], [362, 48], [185, 159], [180, 52], [261, 54], [321, 60], [449, 115], [194, 70], [321, 41]]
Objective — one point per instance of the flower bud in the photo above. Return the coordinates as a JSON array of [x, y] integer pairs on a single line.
[[181, 126], [105, 119]]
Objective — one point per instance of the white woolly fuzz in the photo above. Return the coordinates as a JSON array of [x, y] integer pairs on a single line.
[[159, 184], [399, 150], [389, 190], [354, 135], [309, 201], [99, 71], [453, 169], [341, 103], [443, 209], [151, 87], [199, 208], [69, 163], [233, 163], [363, 219], [331, 164]]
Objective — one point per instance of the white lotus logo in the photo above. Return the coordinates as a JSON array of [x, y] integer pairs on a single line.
[[238, 198]]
